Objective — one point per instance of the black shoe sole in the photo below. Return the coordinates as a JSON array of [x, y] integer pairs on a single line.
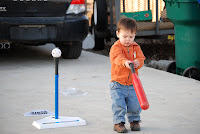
[[135, 129], [124, 131]]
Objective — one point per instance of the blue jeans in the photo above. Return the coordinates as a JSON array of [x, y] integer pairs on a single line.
[[124, 102]]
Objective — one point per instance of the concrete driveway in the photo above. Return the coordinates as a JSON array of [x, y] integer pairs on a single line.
[[27, 83]]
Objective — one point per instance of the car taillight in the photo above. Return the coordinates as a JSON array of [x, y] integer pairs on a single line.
[[76, 7], [78, 2]]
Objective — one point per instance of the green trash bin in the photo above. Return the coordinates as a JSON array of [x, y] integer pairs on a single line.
[[185, 14]]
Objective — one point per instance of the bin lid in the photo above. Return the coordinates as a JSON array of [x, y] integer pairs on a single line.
[[182, 0]]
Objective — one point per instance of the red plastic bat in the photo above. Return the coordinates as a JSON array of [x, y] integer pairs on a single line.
[[144, 104]]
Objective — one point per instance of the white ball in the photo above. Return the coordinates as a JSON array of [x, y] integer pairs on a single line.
[[56, 52]]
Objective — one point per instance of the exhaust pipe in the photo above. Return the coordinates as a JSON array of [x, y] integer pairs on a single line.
[[1, 46], [6, 45]]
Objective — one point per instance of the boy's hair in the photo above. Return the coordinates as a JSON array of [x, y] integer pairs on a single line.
[[127, 24]]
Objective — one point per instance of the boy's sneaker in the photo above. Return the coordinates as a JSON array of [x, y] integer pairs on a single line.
[[120, 128], [135, 126]]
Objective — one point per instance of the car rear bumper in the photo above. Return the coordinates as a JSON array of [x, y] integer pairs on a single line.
[[43, 29]]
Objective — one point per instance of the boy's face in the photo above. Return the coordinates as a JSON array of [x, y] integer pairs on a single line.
[[126, 37]]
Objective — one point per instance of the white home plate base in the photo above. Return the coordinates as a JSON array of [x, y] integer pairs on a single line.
[[51, 122]]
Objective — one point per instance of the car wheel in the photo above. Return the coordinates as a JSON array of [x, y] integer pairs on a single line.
[[99, 41], [192, 72], [99, 23], [71, 50], [100, 15]]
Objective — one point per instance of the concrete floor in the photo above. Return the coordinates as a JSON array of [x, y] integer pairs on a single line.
[[27, 83]]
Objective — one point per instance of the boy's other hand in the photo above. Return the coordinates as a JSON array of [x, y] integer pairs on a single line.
[[136, 63]]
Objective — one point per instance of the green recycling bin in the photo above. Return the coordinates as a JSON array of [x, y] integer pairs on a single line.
[[185, 14]]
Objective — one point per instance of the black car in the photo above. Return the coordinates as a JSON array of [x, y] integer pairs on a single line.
[[37, 22]]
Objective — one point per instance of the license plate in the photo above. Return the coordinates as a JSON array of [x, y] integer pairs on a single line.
[[32, 32]]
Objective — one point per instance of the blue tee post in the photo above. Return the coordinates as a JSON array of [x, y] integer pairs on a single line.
[[56, 87], [56, 53]]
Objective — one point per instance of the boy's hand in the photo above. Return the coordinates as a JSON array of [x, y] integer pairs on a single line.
[[136, 63], [127, 63]]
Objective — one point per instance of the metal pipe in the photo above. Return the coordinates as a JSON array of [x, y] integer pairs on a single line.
[[124, 6], [157, 22], [111, 17], [148, 4], [117, 11]]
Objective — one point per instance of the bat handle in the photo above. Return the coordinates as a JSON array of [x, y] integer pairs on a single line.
[[132, 67]]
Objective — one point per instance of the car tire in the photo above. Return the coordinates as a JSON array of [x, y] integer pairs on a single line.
[[99, 41], [100, 18], [99, 23], [71, 50]]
